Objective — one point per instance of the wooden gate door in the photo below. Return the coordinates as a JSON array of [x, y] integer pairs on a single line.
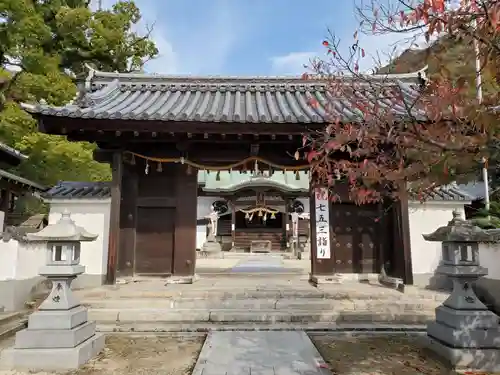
[[155, 241], [356, 238]]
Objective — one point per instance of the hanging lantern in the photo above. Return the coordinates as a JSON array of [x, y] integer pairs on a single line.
[[159, 168], [217, 176], [265, 217], [260, 213], [132, 159], [273, 215], [146, 170], [297, 175], [247, 216]]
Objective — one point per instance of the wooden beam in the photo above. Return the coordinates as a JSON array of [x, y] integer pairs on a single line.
[[114, 217], [54, 125]]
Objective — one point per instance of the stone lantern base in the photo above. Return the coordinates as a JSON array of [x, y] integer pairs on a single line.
[[55, 340], [487, 360], [211, 246], [465, 332]]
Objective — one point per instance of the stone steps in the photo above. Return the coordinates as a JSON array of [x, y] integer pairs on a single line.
[[241, 293], [159, 327], [254, 304], [11, 322], [148, 316]]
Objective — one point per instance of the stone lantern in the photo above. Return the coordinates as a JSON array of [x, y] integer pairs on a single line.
[[59, 336], [465, 331]]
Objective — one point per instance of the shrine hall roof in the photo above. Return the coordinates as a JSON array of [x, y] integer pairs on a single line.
[[134, 96]]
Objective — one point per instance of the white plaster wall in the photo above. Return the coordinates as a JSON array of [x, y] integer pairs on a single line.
[[93, 215], [20, 260], [489, 257], [203, 210], [426, 218], [30, 257]]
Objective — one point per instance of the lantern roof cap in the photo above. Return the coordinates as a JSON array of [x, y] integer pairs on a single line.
[[460, 230], [62, 231]]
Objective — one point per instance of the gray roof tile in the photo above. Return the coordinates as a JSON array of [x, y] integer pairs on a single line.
[[78, 190], [451, 192], [12, 152], [135, 96], [4, 175]]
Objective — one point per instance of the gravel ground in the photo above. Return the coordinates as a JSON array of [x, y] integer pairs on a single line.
[[140, 355], [377, 355]]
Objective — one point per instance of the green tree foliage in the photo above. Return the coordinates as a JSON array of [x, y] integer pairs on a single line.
[[44, 47]]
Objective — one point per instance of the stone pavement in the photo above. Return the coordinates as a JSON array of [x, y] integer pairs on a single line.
[[262, 263], [259, 353]]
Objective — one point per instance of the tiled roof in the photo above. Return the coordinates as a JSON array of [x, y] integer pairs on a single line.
[[4, 175], [229, 182], [451, 192], [11, 151], [133, 96], [78, 190]]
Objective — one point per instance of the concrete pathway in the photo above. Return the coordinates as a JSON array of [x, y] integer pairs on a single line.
[[259, 353]]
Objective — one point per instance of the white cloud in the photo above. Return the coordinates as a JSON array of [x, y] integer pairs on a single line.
[[379, 50], [292, 63], [167, 60], [197, 48]]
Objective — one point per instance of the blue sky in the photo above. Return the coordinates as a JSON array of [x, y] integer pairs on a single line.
[[249, 37]]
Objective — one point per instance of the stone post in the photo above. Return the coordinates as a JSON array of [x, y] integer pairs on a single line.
[[211, 246], [58, 336], [465, 332]]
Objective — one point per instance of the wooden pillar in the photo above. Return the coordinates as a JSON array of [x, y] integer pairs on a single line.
[[5, 201], [114, 217], [404, 221], [322, 262], [186, 193], [128, 221]]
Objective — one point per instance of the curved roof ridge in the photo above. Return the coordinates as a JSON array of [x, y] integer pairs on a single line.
[[95, 76]]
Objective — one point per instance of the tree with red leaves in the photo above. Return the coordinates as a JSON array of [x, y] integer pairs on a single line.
[[444, 132]]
